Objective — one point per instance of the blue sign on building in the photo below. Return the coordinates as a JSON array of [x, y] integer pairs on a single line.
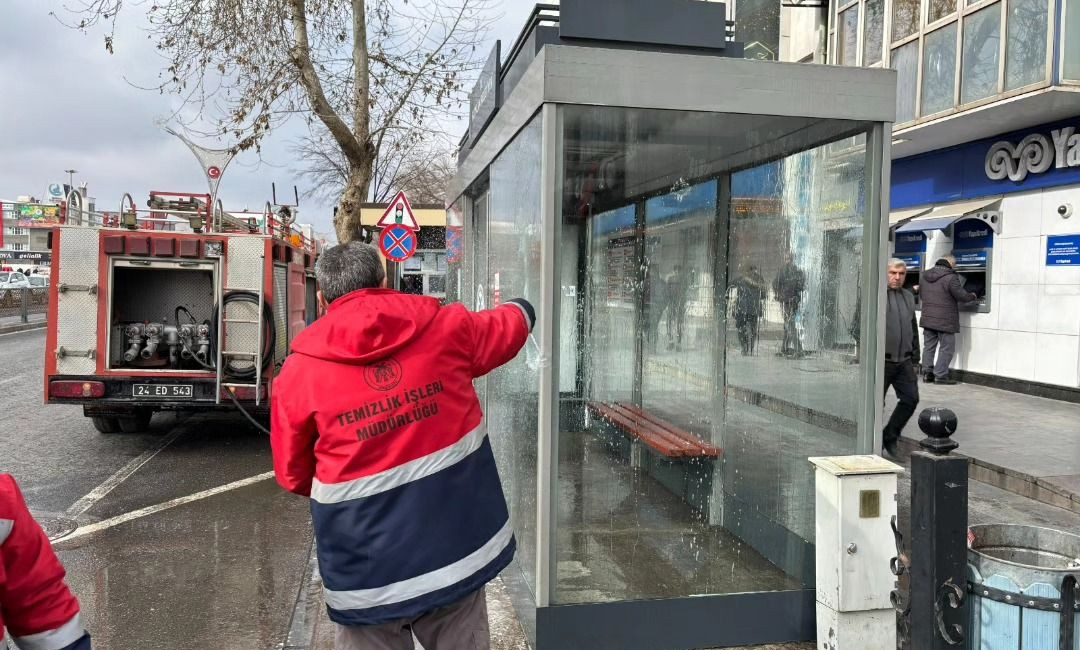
[[910, 242], [988, 167], [913, 262], [972, 233], [974, 258], [1063, 250]]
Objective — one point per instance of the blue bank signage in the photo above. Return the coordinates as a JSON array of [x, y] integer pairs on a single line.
[[1035, 154], [1021, 161], [1063, 250], [970, 259], [913, 262], [973, 233], [910, 242]]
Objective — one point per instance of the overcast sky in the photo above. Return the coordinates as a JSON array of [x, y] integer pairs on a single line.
[[65, 103]]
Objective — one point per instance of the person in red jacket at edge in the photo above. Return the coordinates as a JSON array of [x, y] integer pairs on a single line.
[[375, 418], [36, 606]]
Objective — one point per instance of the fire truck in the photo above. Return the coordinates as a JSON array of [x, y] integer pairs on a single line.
[[176, 307]]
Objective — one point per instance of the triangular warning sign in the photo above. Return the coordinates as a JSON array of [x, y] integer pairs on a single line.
[[399, 213]]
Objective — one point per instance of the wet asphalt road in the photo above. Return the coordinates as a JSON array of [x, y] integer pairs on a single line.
[[180, 540]]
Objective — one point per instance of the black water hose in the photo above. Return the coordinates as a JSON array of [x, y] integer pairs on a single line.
[[270, 341]]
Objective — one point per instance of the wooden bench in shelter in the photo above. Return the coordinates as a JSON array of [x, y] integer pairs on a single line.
[[658, 434]]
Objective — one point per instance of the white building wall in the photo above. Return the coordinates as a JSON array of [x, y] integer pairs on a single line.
[[1033, 329]]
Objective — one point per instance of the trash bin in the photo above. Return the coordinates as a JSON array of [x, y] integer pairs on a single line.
[[1022, 586]]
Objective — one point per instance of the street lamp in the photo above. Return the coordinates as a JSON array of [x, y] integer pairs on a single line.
[[71, 173]]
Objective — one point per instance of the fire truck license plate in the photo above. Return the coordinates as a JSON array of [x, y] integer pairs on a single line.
[[159, 391]]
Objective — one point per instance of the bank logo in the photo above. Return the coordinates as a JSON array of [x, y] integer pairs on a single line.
[[1035, 154], [383, 375]]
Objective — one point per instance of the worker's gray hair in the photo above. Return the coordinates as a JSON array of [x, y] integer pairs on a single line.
[[895, 263], [349, 267]]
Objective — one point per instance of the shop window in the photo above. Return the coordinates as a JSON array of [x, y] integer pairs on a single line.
[[939, 9], [982, 45], [875, 32], [848, 37], [1071, 55], [905, 18], [1025, 48], [939, 70], [905, 60]]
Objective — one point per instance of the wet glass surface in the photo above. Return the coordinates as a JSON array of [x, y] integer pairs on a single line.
[[719, 307], [513, 271]]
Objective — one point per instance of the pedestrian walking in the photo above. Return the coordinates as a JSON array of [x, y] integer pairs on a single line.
[[901, 353], [750, 294], [788, 287], [941, 291], [36, 606], [375, 418], [654, 302], [679, 290]]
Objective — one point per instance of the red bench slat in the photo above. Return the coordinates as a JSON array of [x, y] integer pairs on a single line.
[[689, 447], [660, 444], [704, 448]]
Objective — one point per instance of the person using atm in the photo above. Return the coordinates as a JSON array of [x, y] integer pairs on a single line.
[[941, 291]]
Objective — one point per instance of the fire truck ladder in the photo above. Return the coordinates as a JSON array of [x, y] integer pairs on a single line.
[[235, 340]]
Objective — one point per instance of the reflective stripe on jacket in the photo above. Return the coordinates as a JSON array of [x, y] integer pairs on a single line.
[[36, 605], [375, 418]]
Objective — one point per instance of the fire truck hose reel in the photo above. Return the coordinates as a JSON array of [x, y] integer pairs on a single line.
[[269, 340]]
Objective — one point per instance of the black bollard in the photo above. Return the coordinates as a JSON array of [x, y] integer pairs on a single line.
[[939, 524]]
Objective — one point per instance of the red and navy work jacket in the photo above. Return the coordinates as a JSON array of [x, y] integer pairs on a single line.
[[375, 418], [35, 604]]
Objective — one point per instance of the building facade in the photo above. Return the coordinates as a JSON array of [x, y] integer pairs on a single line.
[[986, 164]]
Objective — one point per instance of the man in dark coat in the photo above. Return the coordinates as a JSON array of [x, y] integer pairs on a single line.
[[788, 287], [941, 290], [901, 353]]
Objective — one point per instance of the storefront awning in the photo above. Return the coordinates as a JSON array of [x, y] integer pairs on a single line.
[[943, 216], [899, 216]]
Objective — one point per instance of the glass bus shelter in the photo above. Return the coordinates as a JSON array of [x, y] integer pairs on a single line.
[[702, 239]]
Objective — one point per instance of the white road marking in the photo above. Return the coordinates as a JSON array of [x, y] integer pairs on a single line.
[[121, 475], [4, 382], [83, 531]]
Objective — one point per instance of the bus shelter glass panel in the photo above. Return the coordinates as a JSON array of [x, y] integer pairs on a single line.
[[718, 260], [513, 271]]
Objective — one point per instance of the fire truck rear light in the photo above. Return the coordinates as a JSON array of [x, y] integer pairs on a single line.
[[76, 389], [242, 393]]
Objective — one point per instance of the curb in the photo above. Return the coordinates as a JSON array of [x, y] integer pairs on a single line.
[[1010, 480], [22, 327]]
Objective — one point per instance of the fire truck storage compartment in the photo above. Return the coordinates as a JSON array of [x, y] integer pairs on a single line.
[[161, 315]]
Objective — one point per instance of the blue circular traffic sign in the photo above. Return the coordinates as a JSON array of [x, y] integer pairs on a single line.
[[397, 243]]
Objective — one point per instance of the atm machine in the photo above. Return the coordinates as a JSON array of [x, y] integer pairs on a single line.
[[973, 246], [910, 247]]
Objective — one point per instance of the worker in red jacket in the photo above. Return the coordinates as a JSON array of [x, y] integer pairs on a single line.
[[36, 606], [375, 418]]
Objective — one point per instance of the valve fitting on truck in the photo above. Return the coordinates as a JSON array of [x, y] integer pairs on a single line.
[[203, 353], [153, 338], [134, 333]]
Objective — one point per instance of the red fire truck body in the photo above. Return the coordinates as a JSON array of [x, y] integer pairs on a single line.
[[142, 321]]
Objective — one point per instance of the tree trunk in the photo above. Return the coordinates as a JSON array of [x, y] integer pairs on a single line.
[[347, 221]]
